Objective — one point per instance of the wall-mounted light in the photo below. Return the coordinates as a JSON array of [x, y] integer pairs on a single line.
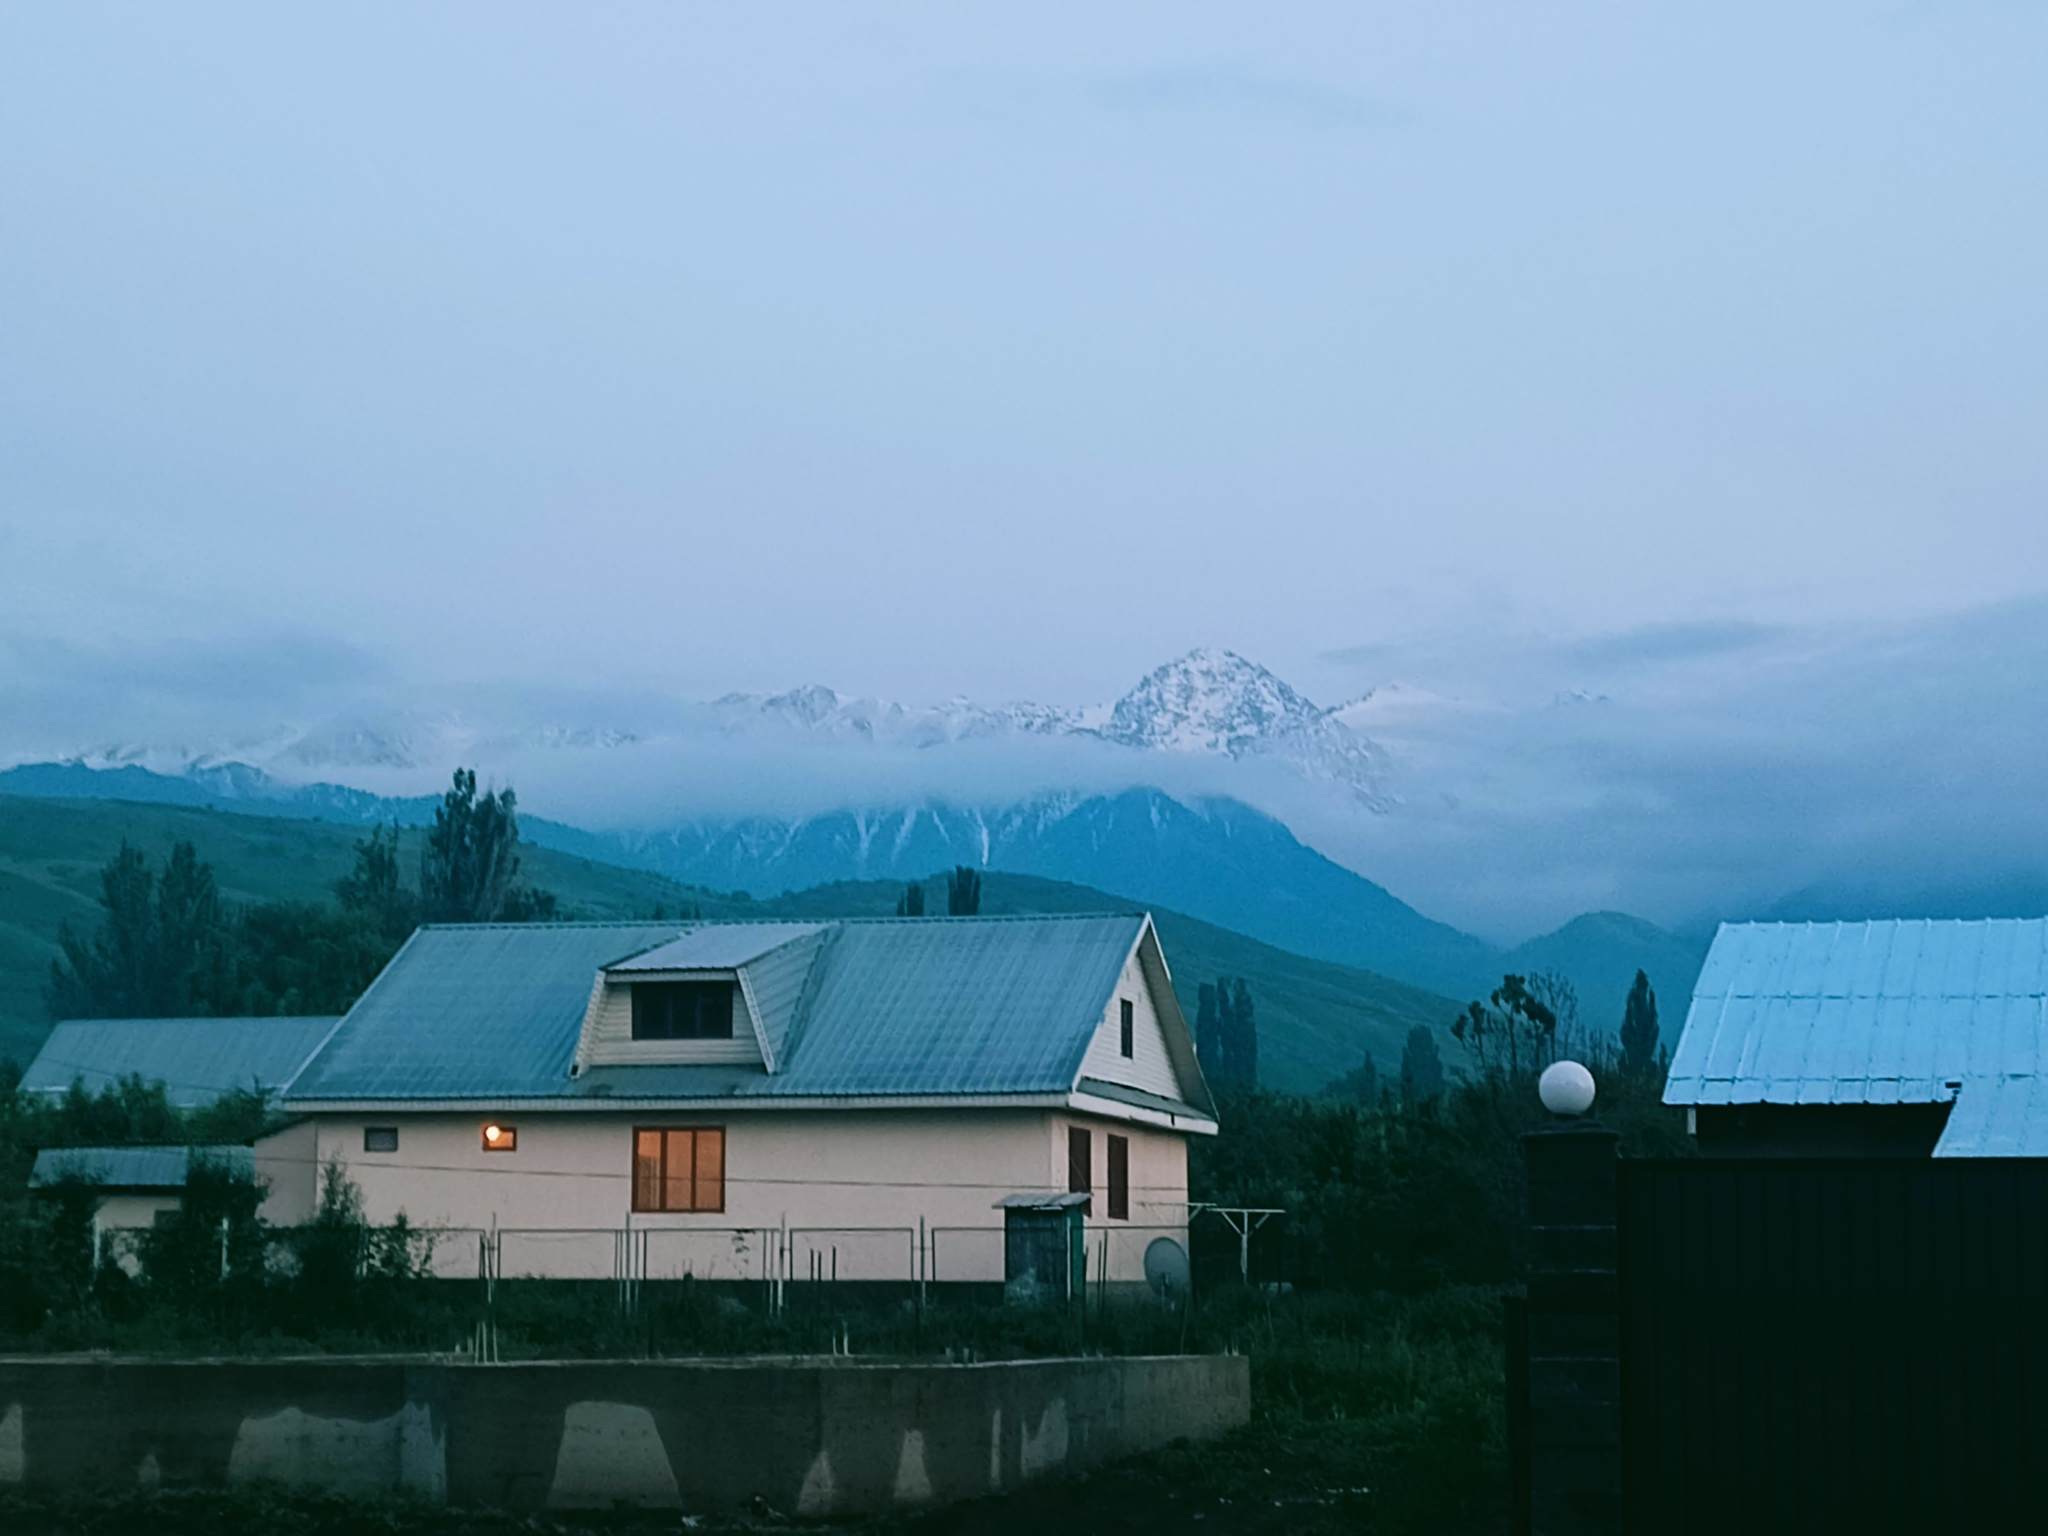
[[501, 1138]]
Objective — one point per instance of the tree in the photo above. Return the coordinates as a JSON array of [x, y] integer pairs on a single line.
[[1639, 1028], [157, 948], [1361, 1084], [1209, 1031], [1513, 1032], [911, 902], [1422, 1070], [963, 892], [1241, 1044], [469, 868], [377, 889]]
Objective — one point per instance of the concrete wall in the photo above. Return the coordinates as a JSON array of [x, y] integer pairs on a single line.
[[852, 1185], [808, 1437]]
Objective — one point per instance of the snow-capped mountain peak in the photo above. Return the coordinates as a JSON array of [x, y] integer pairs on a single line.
[[1209, 701]]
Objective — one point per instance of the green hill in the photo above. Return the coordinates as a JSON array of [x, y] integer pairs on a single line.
[[1316, 1019]]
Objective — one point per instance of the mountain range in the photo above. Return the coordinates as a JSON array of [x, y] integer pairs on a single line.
[[1216, 860]]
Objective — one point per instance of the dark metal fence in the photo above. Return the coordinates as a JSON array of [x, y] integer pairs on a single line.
[[1819, 1345]]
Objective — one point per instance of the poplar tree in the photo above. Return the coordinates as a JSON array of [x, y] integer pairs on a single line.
[[1639, 1028], [1422, 1070], [911, 902], [963, 892], [1209, 1031], [1241, 1045]]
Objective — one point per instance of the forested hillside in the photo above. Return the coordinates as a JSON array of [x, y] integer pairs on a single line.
[[1316, 1020]]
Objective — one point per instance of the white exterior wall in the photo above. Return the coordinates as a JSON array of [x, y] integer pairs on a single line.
[[1159, 1191], [857, 1182], [1149, 1067]]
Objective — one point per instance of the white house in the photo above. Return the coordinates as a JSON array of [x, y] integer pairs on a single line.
[[773, 1100]]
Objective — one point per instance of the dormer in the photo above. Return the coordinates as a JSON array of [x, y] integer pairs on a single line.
[[721, 995]]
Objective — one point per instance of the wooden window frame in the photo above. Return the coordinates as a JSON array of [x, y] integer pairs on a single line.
[[1127, 1021], [1119, 1172], [659, 1206]]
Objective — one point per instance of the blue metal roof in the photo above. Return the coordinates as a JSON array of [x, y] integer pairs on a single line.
[[717, 947], [1898, 1012], [473, 1011], [1997, 1117], [133, 1167], [890, 1007], [197, 1060]]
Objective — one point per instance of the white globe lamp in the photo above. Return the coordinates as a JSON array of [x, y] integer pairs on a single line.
[[1566, 1088]]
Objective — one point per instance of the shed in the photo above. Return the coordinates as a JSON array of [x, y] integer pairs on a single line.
[[1901, 1037]]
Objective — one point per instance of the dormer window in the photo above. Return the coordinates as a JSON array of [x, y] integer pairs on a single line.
[[682, 1010]]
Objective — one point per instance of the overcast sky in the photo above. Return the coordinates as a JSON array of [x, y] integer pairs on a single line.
[[569, 362], [928, 351]]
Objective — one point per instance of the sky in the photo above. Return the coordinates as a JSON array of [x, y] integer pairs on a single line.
[[655, 351]]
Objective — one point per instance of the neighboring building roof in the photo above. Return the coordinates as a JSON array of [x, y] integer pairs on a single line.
[[1997, 1117], [888, 1008], [197, 1060], [133, 1167], [1902, 1012]]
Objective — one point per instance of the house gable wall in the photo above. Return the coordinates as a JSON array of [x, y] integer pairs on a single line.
[[1150, 1066]]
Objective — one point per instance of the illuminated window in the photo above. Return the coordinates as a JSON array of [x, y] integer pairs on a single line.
[[679, 1170], [380, 1138], [501, 1138]]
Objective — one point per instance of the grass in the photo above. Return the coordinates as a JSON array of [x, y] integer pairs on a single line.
[[1316, 1019]]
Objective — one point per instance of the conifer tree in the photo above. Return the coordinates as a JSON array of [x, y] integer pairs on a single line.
[[963, 892], [911, 902], [1639, 1028]]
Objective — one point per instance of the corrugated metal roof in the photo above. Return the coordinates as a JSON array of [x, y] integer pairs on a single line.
[[717, 947], [197, 1060], [1863, 1013], [1997, 1117], [133, 1167], [891, 1008], [484, 1011]]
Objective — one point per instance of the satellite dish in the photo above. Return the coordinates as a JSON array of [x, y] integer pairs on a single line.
[[1166, 1267], [1566, 1088]]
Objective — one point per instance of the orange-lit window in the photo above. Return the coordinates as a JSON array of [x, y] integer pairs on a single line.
[[501, 1138], [679, 1170]]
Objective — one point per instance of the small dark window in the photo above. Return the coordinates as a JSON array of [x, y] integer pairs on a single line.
[[1130, 1034], [380, 1138], [679, 1170], [682, 1010], [1120, 1178], [1080, 1161]]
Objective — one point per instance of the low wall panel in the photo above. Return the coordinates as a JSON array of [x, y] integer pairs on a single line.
[[810, 1437]]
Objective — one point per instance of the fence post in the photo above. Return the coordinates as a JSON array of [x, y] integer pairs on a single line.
[[1574, 1334]]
